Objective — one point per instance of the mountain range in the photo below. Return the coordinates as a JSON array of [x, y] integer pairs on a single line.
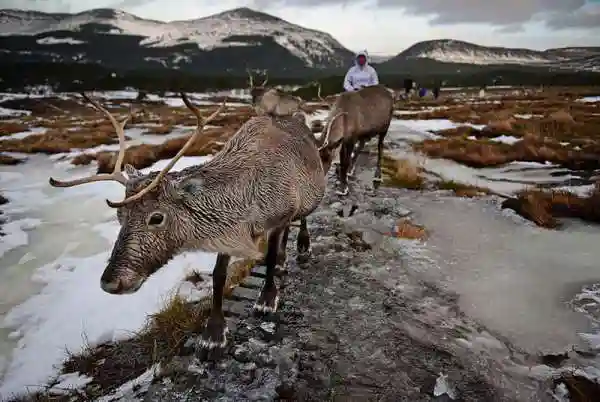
[[237, 39]]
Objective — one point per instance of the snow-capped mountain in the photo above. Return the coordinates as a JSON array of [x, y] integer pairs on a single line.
[[233, 39], [455, 51]]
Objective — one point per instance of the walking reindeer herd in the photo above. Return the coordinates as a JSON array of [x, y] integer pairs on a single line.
[[270, 173]]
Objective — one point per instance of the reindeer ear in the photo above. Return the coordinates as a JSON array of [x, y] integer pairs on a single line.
[[132, 172]]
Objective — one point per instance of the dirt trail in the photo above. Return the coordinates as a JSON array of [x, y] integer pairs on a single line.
[[357, 323]]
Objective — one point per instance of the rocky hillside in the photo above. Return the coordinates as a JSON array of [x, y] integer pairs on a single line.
[[465, 53], [231, 41]]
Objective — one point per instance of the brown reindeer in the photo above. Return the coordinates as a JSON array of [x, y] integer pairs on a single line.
[[274, 101], [269, 174], [354, 119]]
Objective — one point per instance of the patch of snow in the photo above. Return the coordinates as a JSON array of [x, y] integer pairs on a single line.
[[13, 112], [50, 40], [506, 139], [432, 124], [66, 383], [589, 99], [24, 134], [16, 234], [130, 389], [70, 308], [441, 387]]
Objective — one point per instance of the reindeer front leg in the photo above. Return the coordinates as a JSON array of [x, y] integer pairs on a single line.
[[354, 157], [269, 295], [303, 243], [345, 161], [215, 331]]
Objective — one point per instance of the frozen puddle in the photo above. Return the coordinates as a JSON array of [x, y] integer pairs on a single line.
[[63, 237], [513, 277]]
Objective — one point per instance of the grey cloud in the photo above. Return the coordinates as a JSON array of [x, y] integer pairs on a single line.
[[575, 20], [508, 16]]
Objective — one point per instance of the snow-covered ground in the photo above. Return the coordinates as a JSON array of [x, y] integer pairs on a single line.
[[58, 241]]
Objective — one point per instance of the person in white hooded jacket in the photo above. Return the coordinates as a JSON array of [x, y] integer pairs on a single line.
[[361, 74]]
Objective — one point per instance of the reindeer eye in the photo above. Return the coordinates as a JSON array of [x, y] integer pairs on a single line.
[[156, 219]]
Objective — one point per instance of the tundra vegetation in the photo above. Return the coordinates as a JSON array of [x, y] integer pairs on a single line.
[[550, 126]]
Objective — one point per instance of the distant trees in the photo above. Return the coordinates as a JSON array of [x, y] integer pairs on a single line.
[[78, 77]]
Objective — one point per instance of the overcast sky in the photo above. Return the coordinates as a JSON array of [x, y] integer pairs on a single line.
[[389, 26]]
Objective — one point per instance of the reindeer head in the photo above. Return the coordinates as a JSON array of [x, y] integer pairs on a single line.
[[332, 137], [256, 92], [156, 217]]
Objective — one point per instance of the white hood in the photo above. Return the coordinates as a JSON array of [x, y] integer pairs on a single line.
[[362, 53]]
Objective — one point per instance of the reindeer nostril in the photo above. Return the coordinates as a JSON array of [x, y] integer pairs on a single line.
[[113, 286]]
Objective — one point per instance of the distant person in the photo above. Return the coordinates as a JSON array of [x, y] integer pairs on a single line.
[[408, 85], [436, 90], [422, 92], [361, 74]]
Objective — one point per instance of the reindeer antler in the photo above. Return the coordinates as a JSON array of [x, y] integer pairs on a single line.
[[116, 174], [250, 78], [318, 84], [201, 123]]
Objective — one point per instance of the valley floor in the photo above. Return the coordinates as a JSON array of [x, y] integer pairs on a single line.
[[480, 305]]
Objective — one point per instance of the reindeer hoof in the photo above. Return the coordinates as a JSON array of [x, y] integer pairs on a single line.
[[343, 190], [304, 255], [267, 301], [376, 182], [214, 335]]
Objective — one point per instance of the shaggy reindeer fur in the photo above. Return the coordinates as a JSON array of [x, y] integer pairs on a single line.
[[355, 118], [267, 175], [273, 101]]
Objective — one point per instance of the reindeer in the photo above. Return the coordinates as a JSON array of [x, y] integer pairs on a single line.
[[355, 118], [273, 101], [267, 175]]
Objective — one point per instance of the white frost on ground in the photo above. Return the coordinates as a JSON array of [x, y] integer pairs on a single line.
[[129, 390], [589, 99], [71, 309], [441, 387], [66, 383], [13, 112], [433, 124], [24, 134]]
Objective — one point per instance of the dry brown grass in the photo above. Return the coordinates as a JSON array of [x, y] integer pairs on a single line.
[[9, 160], [59, 141], [402, 173], [145, 155], [544, 207], [9, 127], [460, 189], [485, 153], [407, 230]]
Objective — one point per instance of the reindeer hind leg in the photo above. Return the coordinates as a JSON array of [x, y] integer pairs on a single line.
[[269, 295]]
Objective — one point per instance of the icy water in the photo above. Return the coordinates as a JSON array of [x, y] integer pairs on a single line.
[[515, 278]]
